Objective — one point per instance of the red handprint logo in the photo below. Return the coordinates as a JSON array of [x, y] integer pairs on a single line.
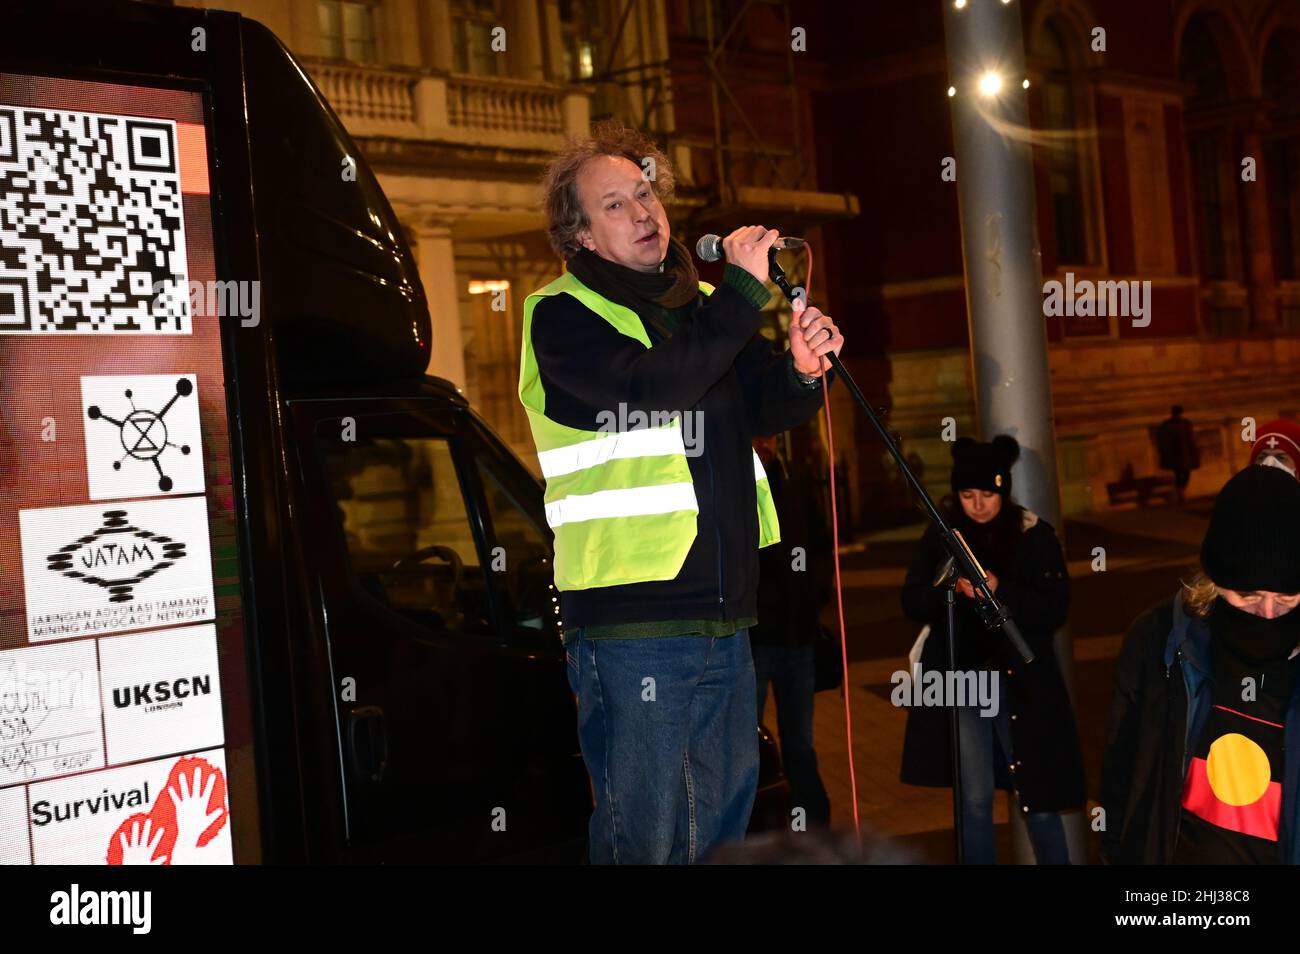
[[183, 822], [138, 841]]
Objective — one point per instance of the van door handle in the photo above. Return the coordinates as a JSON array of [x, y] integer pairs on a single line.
[[368, 743]]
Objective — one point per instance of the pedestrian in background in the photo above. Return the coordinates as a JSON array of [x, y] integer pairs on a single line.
[[1176, 446]]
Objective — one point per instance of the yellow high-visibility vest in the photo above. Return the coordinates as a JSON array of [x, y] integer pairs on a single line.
[[621, 503]]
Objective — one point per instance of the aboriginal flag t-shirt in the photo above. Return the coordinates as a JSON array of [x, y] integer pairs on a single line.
[[1232, 795]]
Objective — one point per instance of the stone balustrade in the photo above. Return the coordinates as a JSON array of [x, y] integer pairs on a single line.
[[469, 110]]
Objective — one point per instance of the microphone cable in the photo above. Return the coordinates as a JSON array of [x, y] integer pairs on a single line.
[[835, 551]]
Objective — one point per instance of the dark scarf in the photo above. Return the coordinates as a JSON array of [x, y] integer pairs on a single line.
[[1253, 640], [644, 292]]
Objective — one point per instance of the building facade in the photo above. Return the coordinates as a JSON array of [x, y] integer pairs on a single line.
[[1165, 151], [457, 104], [1166, 146]]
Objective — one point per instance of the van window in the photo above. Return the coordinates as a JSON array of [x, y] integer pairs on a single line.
[[521, 553], [407, 532]]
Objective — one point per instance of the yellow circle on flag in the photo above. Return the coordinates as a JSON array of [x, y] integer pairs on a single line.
[[1237, 769]]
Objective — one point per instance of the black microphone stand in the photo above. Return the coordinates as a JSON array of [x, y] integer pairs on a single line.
[[947, 578], [992, 612]]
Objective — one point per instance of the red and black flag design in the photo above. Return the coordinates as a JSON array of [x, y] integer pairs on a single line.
[[1235, 779]]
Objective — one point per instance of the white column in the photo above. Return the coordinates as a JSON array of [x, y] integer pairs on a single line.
[[524, 41], [577, 113], [400, 28], [431, 107], [437, 264], [295, 23], [436, 28], [552, 42]]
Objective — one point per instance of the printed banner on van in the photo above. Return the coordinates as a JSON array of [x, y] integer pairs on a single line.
[[15, 839], [49, 712], [98, 220], [66, 708], [120, 491], [142, 435], [171, 811], [162, 693], [107, 568]]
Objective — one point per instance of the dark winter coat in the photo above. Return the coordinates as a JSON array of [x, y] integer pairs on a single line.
[[1047, 772], [790, 599], [1163, 691], [1176, 445]]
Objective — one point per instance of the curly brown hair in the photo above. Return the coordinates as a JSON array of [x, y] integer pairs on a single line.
[[1199, 593], [565, 217]]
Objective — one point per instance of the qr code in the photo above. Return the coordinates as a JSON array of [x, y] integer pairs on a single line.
[[92, 232]]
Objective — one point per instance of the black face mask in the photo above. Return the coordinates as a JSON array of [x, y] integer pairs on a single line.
[[1253, 638]]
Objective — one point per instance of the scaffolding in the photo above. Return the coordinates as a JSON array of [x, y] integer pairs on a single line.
[[733, 142]]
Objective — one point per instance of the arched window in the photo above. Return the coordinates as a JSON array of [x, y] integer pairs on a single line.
[[1062, 159], [1208, 142], [1281, 77]]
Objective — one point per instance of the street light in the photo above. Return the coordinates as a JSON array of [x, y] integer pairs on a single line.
[[990, 83]]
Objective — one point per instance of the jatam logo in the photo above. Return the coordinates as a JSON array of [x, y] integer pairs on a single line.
[[117, 556]]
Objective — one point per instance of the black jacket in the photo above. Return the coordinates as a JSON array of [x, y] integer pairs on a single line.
[[1163, 690], [789, 599], [1176, 445], [714, 362], [1049, 764]]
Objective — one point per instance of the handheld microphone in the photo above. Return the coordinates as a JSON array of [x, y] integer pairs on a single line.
[[709, 247]]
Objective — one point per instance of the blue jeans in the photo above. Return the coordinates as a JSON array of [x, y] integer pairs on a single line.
[[668, 735], [982, 741], [793, 674]]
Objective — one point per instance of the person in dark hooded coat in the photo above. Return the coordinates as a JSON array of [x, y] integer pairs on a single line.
[[1030, 745]]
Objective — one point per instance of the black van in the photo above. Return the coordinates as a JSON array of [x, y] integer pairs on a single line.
[[268, 593]]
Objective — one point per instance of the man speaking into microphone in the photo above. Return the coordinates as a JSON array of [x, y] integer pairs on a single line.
[[656, 543]]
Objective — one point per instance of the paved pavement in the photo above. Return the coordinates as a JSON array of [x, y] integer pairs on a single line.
[[1146, 552]]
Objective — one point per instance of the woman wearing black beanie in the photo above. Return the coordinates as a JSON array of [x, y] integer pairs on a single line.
[[1202, 761], [1028, 742]]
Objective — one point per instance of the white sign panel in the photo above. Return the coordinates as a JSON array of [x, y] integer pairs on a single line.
[[15, 848], [49, 712], [94, 215], [142, 435], [170, 811], [107, 568], [162, 693]]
